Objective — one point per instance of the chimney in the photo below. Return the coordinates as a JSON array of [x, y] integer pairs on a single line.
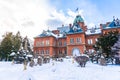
[[62, 25], [107, 23], [70, 25], [101, 27], [85, 28]]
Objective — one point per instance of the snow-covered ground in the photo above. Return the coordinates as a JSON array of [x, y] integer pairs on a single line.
[[65, 70]]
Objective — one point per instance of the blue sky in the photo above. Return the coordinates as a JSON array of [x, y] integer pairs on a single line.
[[94, 11], [31, 17]]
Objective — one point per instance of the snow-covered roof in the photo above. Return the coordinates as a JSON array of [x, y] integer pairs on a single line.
[[61, 35], [114, 24], [93, 31], [67, 30], [75, 29], [50, 33], [63, 29], [46, 33]]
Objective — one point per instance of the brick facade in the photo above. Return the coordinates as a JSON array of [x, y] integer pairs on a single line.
[[75, 40]]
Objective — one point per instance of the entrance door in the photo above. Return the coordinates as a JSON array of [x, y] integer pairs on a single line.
[[76, 52]]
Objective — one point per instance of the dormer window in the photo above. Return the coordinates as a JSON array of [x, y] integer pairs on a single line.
[[75, 28], [92, 30], [117, 22]]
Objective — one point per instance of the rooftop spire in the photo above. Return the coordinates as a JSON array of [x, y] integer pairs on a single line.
[[48, 29], [113, 18]]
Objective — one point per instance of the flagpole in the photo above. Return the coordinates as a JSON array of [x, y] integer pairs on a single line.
[[77, 11]]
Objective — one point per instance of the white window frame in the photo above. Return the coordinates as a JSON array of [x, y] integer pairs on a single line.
[[78, 40], [42, 43], [71, 40], [96, 39], [47, 42], [90, 41]]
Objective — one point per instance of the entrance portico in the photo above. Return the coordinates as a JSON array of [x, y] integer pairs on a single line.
[[76, 52]]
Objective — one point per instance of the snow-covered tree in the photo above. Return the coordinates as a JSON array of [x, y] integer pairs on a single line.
[[104, 44], [116, 51]]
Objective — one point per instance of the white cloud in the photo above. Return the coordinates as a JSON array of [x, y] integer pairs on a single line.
[[30, 17], [91, 13], [59, 18], [87, 10], [27, 16], [71, 15], [90, 25]]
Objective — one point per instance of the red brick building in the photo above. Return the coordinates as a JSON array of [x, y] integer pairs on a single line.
[[71, 40]]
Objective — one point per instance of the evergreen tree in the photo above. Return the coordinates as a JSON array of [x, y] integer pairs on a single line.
[[105, 42], [6, 46], [17, 42], [116, 50], [10, 43]]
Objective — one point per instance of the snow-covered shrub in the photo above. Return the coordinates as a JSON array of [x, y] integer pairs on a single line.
[[39, 61], [81, 60], [32, 63], [102, 61]]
